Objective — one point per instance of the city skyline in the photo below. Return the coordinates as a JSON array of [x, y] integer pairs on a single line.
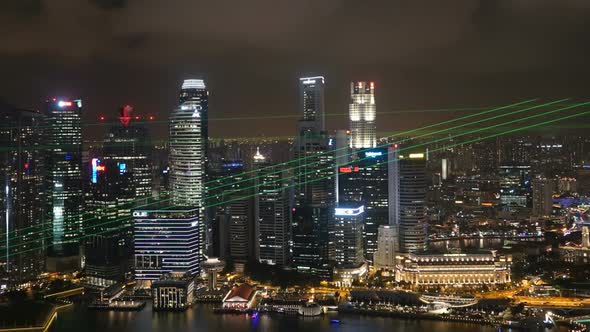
[[406, 165]]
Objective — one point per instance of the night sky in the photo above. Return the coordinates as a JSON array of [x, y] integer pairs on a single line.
[[421, 54]]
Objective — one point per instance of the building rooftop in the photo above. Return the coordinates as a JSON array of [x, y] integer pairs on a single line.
[[241, 293]]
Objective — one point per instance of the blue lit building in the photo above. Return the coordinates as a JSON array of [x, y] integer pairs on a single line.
[[166, 241]]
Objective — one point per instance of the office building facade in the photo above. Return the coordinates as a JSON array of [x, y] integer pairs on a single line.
[[362, 113], [412, 187], [64, 192], [272, 213], [22, 195]]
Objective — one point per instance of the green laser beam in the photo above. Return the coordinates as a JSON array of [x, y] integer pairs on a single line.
[[316, 155], [330, 151], [411, 147], [438, 149], [420, 136], [405, 148]]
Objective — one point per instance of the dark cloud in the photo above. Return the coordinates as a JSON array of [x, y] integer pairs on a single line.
[[110, 4], [422, 54]]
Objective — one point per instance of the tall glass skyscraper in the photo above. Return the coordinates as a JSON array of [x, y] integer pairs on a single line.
[[64, 194], [195, 91], [314, 187], [348, 234], [172, 239], [311, 90], [366, 181], [362, 112], [272, 213], [21, 194], [119, 178], [187, 146], [412, 202]]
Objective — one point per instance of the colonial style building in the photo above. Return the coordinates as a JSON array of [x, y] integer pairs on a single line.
[[487, 268]]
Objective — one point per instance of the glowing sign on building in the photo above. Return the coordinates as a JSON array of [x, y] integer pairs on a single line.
[[96, 167], [373, 154], [348, 169], [349, 211], [416, 155], [62, 103]]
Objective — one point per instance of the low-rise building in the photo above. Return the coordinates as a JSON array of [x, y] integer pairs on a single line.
[[576, 255], [240, 297], [173, 294], [486, 268]]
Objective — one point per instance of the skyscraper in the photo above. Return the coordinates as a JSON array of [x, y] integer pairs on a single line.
[[412, 202], [187, 148], [64, 182], [195, 91], [22, 196], [120, 177], [362, 108], [166, 241], [365, 180], [348, 243], [272, 213], [311, 91], [388, 235], [172, 239], [543, 197], [314, 187], [348, 234]]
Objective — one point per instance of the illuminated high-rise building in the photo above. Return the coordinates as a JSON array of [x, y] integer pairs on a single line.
[[348, 224], [166, 240], [314, 186], [412, 187], [365, 180], [64, 196], [272, 213], [362, 112], [172, 238], [195, 91], [120, 179], [21, 195], [348, 234], [187, 148], [311, 96], [388, 235]]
